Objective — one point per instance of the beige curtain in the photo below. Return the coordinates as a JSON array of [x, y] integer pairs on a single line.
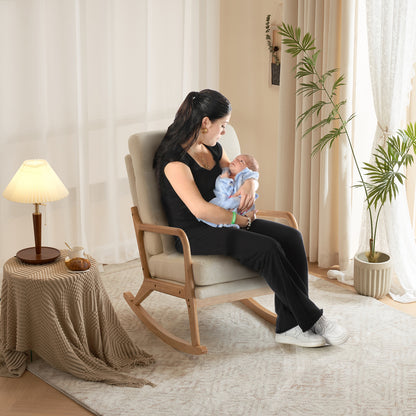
[[317, 189]]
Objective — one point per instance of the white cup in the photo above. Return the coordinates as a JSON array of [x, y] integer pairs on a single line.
[[76, 252]]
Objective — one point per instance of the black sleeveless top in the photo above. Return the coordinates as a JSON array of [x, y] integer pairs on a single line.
[[177, 213]]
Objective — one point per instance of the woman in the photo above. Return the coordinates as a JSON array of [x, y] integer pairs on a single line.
[[187, 163]]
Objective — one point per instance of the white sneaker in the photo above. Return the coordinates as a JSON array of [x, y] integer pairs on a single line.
[[333, 333], [296, 336]]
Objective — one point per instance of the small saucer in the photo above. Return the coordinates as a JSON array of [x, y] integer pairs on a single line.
[[77, 271], [67, 258]]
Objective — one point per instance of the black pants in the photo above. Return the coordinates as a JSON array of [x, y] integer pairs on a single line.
[[277, 253]]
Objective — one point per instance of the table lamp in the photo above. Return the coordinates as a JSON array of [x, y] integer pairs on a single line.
[[36, 183]]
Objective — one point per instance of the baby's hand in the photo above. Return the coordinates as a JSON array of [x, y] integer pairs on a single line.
[[225, 174]]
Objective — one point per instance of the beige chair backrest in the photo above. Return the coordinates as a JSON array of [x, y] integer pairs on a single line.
[[142, 147]]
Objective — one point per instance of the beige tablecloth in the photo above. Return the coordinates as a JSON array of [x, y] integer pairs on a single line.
[[67, 319]]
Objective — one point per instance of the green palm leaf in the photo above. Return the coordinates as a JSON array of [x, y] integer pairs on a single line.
[[385, 174]]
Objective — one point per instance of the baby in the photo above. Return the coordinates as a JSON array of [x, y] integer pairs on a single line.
[[241, 168]]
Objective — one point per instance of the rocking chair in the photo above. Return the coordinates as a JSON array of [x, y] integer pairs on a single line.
[[198, 280]]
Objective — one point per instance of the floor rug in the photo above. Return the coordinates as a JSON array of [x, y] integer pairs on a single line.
[[245, 372]]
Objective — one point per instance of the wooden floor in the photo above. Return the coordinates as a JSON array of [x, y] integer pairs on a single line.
[[30, 396], [409, 308]]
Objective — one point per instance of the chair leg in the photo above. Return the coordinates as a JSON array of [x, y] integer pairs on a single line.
[[193, 321], [260, 310], [142, 294], [165, 335]]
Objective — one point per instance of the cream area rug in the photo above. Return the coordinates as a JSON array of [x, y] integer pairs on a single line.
[[245, 372]]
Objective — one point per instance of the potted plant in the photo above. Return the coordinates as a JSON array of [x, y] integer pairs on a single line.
[[379, 179], [273, 49]]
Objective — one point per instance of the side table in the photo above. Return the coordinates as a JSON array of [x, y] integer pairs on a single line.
[[67, 319]]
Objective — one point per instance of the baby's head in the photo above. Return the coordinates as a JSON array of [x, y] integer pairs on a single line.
[[241, 162]]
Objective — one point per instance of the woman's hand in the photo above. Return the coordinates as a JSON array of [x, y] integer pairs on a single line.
[[247, 194], [245, 221], [251, 214]]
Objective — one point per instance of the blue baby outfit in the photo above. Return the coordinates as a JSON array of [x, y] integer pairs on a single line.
[[225, 187]]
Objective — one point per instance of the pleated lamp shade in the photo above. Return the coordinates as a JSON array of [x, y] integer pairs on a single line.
[[35, 183]]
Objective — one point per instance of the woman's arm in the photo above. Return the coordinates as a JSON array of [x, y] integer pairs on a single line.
[[180, 177]]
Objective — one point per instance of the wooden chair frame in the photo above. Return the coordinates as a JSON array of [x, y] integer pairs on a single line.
[[186, 291]]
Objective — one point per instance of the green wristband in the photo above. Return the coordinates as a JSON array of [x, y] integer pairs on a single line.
[[234, 217]]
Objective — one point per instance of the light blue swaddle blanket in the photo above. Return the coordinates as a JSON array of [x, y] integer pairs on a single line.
[[225, 187]]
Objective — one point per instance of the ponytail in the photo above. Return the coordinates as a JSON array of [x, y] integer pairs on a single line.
[[187, 124]]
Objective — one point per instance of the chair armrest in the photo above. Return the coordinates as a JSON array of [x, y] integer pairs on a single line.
[[163, 229], [141, 228], [288, 216], [168, 230]]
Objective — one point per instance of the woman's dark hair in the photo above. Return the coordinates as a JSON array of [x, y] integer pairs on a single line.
[[187, 123]]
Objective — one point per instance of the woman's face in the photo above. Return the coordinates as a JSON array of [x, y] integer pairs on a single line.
[[215, 130]]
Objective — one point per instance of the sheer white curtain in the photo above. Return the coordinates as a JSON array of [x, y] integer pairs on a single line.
[[411, 171], [317, 189], [392, 53], [77, 78]]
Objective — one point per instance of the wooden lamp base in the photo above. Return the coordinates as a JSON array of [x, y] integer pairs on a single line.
[[38, 254], [46, 255]]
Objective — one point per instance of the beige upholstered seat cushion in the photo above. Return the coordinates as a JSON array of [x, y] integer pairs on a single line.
[[237, 286], [208, 270], [213, 275]]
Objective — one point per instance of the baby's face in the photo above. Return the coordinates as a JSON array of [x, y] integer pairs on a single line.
[[238, 164]]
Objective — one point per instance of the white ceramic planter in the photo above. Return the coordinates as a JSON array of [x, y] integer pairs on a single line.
[[372, 279]]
